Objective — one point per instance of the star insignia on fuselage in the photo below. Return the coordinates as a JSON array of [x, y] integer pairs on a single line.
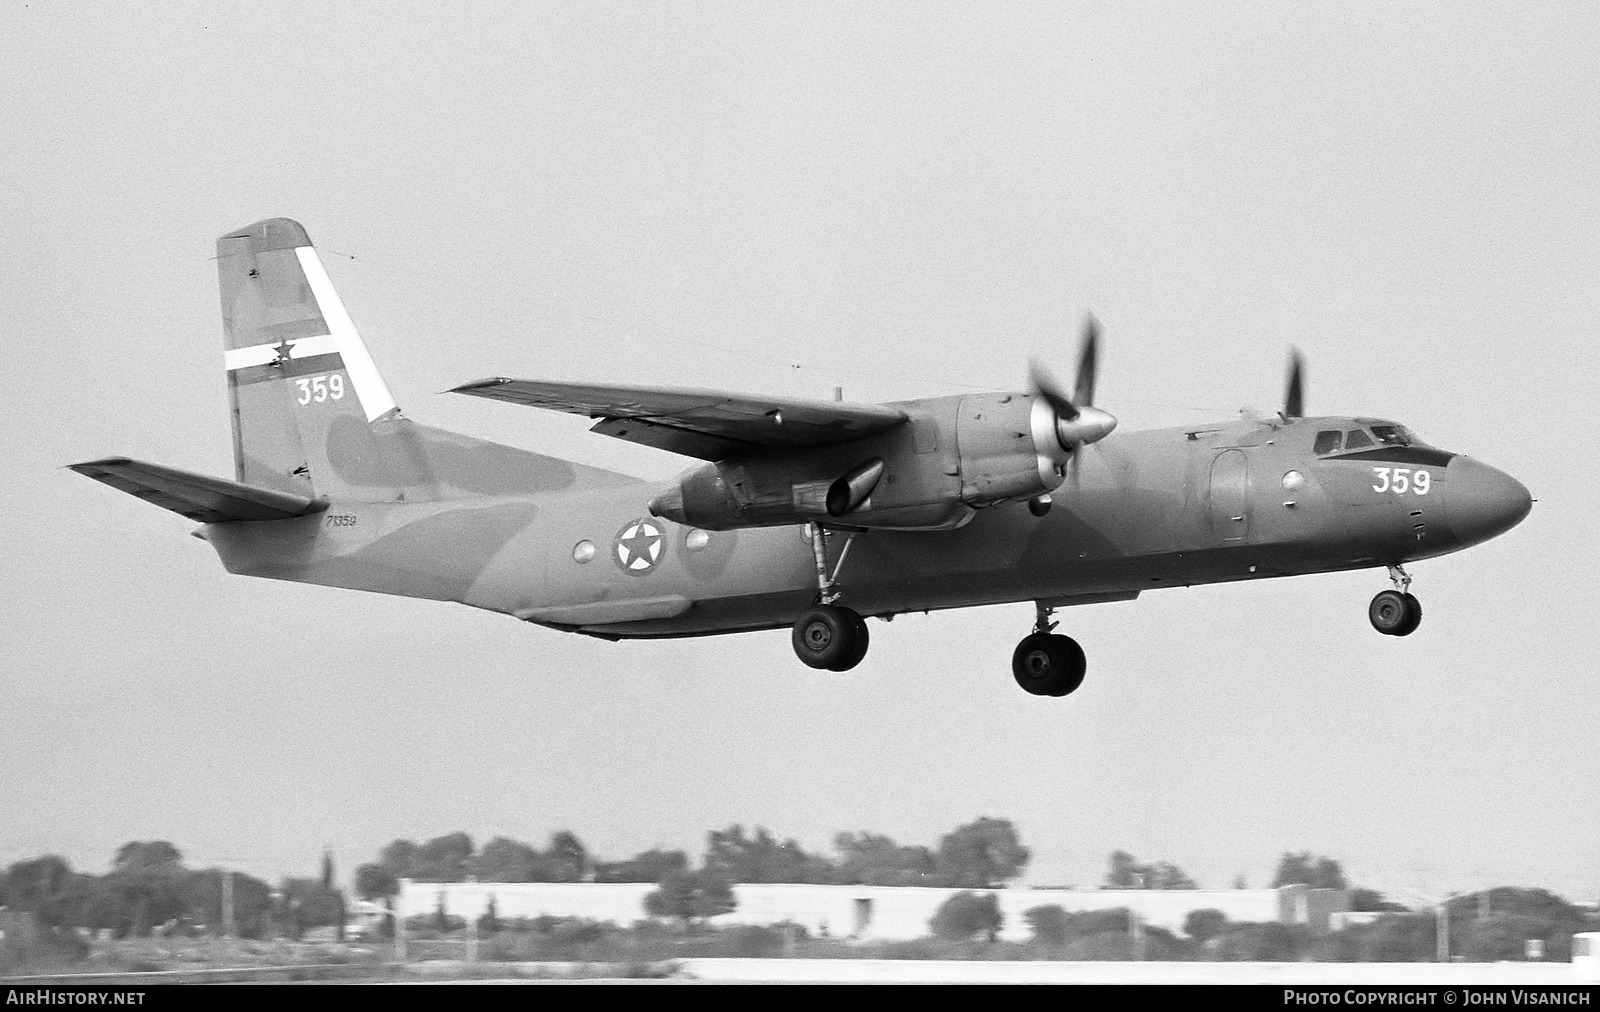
[[639, 546]]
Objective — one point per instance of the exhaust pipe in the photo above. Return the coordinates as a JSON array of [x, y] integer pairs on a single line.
[[850, 491]]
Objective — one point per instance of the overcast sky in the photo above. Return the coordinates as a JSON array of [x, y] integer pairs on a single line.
[[904, 200]]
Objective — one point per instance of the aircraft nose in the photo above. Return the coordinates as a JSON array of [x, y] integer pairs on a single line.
[[1484, 502]]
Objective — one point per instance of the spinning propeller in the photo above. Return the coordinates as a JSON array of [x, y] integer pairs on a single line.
[[1077, 421]]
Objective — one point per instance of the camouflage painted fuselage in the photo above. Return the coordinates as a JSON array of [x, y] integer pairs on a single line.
[[1144, 510], [334, 486]]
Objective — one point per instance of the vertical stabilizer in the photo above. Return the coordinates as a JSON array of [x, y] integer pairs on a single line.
[[297, 369], [311, 415]]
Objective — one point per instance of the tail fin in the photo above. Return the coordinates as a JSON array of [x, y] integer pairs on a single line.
[[312, 417], [297, 370]]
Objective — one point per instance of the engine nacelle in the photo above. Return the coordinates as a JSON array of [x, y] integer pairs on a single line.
[[953, 456], [1009, 448], [1017, 447], [777, 491]]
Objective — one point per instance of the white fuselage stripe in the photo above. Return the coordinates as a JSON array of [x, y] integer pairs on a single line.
[[370, 388], [266, 354]]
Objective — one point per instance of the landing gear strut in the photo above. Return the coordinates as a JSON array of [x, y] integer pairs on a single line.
[[826, 635], [1045, 664], [1396, 612]]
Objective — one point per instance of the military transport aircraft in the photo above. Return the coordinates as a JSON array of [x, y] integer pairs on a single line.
[[804, 514]]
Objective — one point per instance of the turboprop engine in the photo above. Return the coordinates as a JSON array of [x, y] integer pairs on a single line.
[[952, 456], [1018, 446]]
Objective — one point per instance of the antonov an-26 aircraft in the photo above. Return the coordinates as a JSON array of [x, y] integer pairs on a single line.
[[805, 514]]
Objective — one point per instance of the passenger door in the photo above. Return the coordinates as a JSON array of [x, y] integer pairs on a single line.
[[1230, 497]]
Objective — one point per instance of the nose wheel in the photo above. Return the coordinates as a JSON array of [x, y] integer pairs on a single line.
[[1396, 612], [1045, 664]]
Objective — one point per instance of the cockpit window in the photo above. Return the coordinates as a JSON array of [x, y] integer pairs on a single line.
[[1327, 441], [1392, 435], [1356, 438]]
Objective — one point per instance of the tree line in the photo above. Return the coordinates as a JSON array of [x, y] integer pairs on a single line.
[[1489, 926], [983, 854], [149, 887]]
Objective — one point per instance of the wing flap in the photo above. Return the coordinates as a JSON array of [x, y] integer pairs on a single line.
[[666, 437], [708, 424], [197, 496]]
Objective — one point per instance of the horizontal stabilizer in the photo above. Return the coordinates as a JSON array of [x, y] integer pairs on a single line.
[[197, 496], [708, 424]]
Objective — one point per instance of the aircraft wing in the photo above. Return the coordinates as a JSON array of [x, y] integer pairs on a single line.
[[197, 496], [708, 424]]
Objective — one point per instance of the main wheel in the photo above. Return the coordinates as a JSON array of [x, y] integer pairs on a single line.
[[1047, 665], [825, 636], [1413, 616], [862, 640], [1394, 614]]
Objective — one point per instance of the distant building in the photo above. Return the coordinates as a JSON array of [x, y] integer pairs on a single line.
[[1354, 918], [869, 912]]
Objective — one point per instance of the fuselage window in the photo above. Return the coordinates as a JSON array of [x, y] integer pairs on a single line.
[[1327, 442], [1392, 435], [1355, 439]]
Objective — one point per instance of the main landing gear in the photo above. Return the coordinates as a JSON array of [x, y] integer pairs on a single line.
[[1046, 664], [826, 635], [1396, 612]]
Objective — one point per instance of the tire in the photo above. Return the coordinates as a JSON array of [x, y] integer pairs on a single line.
[[824, 636], [1413, 616], [1046, 665], [1077, 666], [862, 640], [1389, 612]]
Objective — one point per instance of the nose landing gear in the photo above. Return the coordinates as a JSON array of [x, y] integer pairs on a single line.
[[1045, 664], [1396, 612], [826, 635]]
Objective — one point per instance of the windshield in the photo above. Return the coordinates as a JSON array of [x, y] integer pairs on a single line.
[[1392, 435]]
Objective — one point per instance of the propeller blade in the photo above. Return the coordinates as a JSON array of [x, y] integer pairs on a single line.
[[1294, 395], [1078, 422], [1045, 386], [1088, 360]]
